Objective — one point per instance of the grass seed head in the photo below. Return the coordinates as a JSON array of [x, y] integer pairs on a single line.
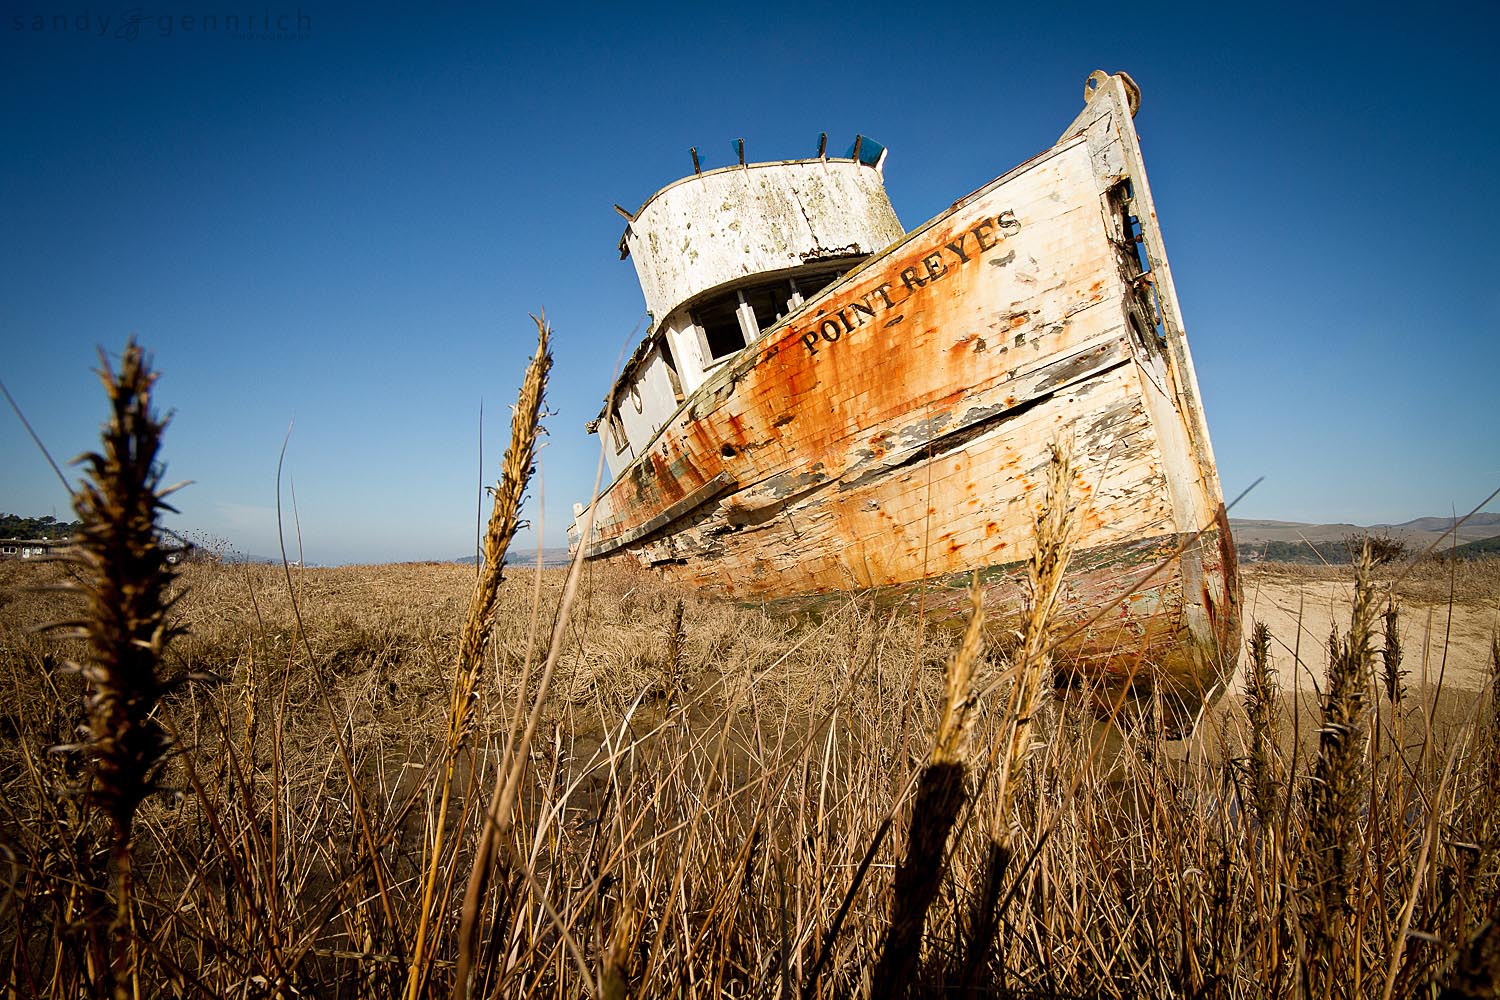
[[515, 474], [1336, 794], [1391, 673], [125, 578], [1261, 693]]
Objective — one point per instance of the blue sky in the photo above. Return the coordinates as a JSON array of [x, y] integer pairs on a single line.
[[349, 228]]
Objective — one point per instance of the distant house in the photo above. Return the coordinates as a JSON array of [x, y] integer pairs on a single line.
[[39, 548], [32, 548]]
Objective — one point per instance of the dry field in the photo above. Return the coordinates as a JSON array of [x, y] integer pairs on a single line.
[[700, 810], [224, 780]]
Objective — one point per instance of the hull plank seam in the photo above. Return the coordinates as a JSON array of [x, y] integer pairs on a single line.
[[715, 487]]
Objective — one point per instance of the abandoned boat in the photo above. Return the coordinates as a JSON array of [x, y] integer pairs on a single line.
[[825, 402]]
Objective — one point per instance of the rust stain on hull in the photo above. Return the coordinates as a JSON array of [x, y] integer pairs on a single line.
[[893, 428]]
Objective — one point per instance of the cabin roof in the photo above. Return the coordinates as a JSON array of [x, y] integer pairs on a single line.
[[865, 151]]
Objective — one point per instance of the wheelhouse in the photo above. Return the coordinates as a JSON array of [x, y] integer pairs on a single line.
[[725, 255]]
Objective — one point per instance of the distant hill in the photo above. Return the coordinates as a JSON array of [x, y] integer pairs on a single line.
[[551, 558], [1484, 547], [244, 557], [1296, 541], [1418, 531]]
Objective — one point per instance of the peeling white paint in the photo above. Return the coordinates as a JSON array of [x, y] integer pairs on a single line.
[[717, 227]]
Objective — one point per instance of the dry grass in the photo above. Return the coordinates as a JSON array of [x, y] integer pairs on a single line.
[[717, 802], [1426, 577], [702, 845]]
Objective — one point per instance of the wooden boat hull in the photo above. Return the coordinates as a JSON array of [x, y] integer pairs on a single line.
[[895, 430]]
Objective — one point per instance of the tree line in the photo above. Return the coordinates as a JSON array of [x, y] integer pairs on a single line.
[[16, 526]]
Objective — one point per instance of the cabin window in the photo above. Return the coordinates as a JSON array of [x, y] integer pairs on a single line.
[[617, 431], [729, 322], [671, 362], [809, 285], [719, 322], [769, 303]]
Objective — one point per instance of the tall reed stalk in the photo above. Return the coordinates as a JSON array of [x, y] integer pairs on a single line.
[[1055, 532], [516, 470], [1261, 692], [1336, 793], [125, 577], [939, 797], [1391, 674]]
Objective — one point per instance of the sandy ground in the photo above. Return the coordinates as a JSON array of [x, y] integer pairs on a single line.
[[1446, 659], [1443, 643]]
